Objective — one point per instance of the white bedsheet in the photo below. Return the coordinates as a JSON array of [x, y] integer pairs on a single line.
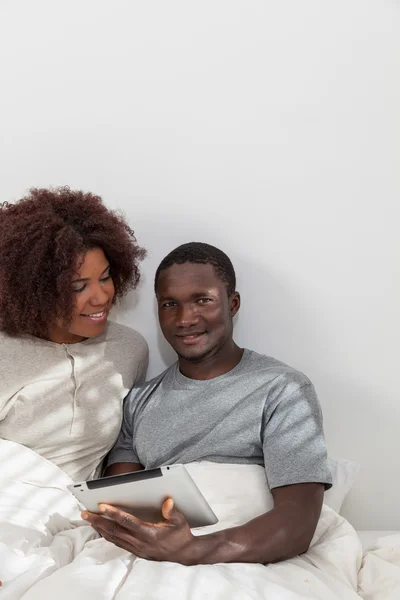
[[46, 551], [370, 538], [379, 576]]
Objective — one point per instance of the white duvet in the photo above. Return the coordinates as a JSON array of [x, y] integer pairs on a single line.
[[47, 552]]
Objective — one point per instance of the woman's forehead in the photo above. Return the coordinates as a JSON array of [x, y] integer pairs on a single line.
[[91, 261]]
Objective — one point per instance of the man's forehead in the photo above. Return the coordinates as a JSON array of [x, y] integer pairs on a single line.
[[186, 275]]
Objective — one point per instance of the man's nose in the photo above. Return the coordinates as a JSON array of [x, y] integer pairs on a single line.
[[186, 316]]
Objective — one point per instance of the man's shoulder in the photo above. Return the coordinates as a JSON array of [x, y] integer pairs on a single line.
[[147, 388], [266, 366]]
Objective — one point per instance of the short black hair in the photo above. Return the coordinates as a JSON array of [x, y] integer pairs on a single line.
[[200, 253]]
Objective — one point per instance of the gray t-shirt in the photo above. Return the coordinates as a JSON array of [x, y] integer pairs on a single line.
[[261, 412]]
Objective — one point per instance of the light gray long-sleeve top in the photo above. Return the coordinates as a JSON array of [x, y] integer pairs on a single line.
[[65, 400]]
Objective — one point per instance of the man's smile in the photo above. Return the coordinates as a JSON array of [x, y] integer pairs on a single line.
[[190, 338]]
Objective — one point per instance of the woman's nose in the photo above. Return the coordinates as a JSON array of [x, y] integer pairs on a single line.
[[100, 296]]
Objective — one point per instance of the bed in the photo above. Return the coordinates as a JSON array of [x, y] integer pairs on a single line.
[[47, 551], [372, 538]]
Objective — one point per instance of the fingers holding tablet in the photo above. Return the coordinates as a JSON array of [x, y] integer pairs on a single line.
[[170, 539]]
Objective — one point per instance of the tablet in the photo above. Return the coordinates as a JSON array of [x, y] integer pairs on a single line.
[[142, 494]]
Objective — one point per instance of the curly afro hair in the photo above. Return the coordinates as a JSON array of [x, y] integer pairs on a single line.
[[201, 253], [41, 238]]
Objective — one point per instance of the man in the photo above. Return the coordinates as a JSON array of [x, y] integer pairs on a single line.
[[224, 404]]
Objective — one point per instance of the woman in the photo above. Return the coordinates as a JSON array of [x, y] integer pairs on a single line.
[[64, 369]]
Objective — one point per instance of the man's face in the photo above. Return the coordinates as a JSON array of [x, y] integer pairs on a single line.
[[194, 310]]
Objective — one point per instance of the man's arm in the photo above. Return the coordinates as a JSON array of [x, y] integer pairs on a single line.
[[121, 468], [283, 532]]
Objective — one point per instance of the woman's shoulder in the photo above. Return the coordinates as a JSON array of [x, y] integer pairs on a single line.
[[21, 362], [129, 351], [5, 340], [126, 338], [11, 345]]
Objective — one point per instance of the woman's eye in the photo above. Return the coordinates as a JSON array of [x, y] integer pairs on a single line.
[[82, 287]]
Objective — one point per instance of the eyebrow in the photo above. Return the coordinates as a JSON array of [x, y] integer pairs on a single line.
[[193, 296], [88, 278]]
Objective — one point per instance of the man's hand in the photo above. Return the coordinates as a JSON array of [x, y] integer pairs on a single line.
[[169, 540], [279, 534]]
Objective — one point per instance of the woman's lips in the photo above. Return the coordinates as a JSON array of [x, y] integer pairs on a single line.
[[96, 317]]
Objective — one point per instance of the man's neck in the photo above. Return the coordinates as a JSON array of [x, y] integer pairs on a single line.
[[212, 366]]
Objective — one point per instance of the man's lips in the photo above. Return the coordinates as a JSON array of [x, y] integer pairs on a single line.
[[190, 338]]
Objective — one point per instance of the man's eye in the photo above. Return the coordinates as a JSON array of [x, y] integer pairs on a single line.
[[168, 304], [204, 300]]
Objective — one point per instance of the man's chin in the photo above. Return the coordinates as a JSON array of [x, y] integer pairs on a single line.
[[194, 355]]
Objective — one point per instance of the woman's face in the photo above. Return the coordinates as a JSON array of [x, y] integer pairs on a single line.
[[93, 288]]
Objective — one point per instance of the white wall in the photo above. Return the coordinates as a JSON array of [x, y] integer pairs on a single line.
[[270, 129]]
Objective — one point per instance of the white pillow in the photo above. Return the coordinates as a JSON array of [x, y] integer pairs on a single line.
[[239, 493], [344, 473]]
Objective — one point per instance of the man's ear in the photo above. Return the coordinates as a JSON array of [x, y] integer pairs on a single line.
[[234, 303]]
